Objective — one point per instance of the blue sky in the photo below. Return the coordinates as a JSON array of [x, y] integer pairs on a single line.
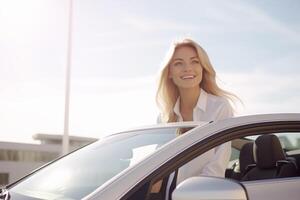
[[117, 50]]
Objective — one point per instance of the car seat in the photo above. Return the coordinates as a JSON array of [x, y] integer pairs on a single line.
[[245, 162], [271, 161]]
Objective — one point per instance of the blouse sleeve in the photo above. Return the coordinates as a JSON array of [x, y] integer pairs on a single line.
[[225, 111], [218, 163]]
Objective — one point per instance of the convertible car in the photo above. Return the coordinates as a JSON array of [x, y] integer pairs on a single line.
[[264, 163]]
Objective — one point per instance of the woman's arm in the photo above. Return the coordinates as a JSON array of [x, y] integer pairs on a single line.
[[218, 163]]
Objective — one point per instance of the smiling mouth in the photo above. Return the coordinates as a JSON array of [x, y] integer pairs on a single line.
[[187, 77]]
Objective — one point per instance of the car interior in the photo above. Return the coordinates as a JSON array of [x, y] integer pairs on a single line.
[[263, 158], [259, 157], [253, 158]]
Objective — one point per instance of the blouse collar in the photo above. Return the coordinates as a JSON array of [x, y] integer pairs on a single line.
[[201, 103]]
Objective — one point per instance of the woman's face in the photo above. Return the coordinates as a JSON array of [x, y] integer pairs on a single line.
[[185, 68]]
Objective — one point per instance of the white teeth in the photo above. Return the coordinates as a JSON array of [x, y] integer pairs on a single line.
[[188, 77]]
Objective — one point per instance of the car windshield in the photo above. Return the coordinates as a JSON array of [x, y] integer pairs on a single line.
[[81, 172]]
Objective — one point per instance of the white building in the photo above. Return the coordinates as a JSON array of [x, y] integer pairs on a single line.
[[18, 159]]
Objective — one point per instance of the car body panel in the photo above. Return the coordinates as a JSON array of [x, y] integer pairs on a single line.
[[121, 184], [209, 188], [170, 155], [273, 189]]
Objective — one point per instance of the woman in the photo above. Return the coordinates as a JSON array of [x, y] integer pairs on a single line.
[[188, 91]]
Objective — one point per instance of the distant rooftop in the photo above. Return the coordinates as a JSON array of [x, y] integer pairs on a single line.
[[57, 139]]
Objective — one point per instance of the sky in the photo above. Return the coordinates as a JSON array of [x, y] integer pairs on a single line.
[[117, 49]]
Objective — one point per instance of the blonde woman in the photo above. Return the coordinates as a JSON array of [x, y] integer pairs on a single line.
[[188, 91]]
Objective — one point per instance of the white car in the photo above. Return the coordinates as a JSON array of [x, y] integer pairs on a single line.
[[126, 165]]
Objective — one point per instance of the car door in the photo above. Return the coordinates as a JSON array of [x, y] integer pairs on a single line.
[[196, 142]]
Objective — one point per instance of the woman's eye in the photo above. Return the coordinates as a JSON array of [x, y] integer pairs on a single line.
[[177, 64], [195, 62]]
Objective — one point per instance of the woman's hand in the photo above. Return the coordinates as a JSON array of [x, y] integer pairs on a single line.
[[156, 187]]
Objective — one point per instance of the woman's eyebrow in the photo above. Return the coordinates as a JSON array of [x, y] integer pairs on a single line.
[[177, 59], [194, 57]]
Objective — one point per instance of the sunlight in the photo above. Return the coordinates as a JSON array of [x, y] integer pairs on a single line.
[[22, 20], [18, 15], [57, 180]]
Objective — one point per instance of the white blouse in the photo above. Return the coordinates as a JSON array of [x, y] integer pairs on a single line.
[[214, 162]]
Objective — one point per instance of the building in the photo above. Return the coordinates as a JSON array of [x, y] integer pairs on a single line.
[[18, 159]]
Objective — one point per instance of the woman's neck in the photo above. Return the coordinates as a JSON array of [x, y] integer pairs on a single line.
[[188, 99]]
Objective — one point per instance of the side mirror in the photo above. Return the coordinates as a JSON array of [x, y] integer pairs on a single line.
[[198, 188]]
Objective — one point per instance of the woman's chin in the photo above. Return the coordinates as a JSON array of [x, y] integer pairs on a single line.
[[189, 86]]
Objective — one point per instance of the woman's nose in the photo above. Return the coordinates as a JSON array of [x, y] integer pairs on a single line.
[[187, 67]]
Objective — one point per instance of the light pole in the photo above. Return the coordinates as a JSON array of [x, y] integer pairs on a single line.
[[65, 141]]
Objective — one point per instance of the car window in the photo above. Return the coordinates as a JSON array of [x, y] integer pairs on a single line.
[[235, 153], [289, 141], [236, 146], [80, 173], [140, 152]]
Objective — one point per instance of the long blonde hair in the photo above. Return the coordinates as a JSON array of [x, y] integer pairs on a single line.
[[167, 92]]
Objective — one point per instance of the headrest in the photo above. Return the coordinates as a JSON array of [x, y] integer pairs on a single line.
[[268, 151], [246, 156]]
